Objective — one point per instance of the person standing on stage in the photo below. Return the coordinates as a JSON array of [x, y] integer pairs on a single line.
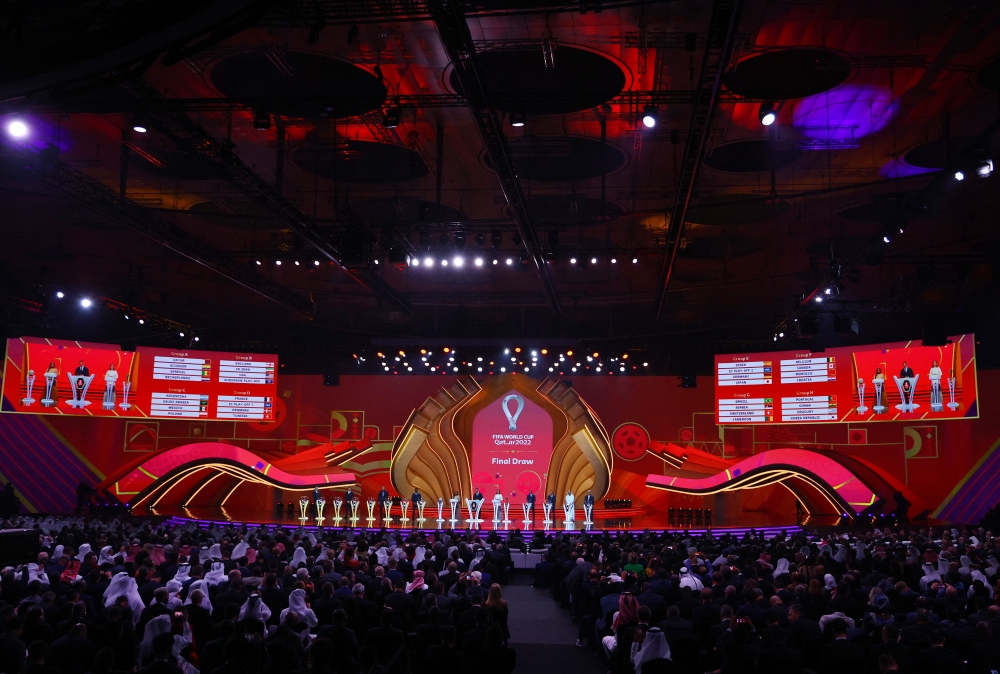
[[81, 370], [588, 504], [906, 371], [383, 496], [551, 501], [417, 497], [530, 499], [349, 496], [476, 494]]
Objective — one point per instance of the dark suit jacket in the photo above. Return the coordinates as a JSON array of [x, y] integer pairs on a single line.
[[386, 641], [440, 659], [11, 653], [781, 659], [938, 660], [70, 655], [842, 656]]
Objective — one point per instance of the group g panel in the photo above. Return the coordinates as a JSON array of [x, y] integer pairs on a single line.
[[43, 376], [879, 382]]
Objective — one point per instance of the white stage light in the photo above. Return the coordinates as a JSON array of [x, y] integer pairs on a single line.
[[458, 262], [479, 262], [85, 303], [17, 129], [60, 294]]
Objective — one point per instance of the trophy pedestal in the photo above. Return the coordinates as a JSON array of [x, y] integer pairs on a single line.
[[862, 409], [108, 406], [953, 406], [879, 409], [27, 401], [48, 402], [124, 406], [936, 407]]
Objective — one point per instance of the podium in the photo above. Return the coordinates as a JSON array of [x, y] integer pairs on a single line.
[[588, 514], [109, 394], [50, 389], [506, 514], [951, 394], [30, 381], [352, 507], [404, 504], [440, 519], [906, 396], [547, 511], [454, 501], [371, 511], [337, 502], [124, 404], [303, 510], [937, 401], [78, 385], [474, 506], [569, 510], [862, 408], [387, 513], [879, 406], [420, 505], [497, 506], [527, 522], [320, 504]]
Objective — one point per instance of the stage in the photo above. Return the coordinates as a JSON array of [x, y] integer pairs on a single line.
[[634, 520]]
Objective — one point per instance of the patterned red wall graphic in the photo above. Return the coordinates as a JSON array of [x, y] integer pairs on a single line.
[[943, 471]]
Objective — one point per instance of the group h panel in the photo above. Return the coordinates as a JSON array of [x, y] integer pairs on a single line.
[[43, 376], [879, 382]]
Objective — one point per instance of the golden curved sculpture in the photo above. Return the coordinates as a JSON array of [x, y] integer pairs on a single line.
[[433, 450]]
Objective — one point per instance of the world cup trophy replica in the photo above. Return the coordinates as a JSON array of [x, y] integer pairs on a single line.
[[304, 510], [50, 389], [30, 381], [371, 510], [337, 502], [320, 504]]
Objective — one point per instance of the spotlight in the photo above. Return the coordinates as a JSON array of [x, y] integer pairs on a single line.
[[60, 294], [614, 260], [277, 262], [819, 298], [181, 334], [572, 260], [443, 240], [197, 339], [444, 263], [781, 334], [261, 121], [428, 262], [316, 262], [480, 239], [414, 262], [460, 240], [496, 239], [635, 260], [517, 119], [985, 168], [138, 125], [510, 261], [458, 262], [959, 175], [649, 116], [496, 261], [141, 322], [886, 239], [296, 263], [827, 291], [593, 260], [258, 262], [85, 303], [479, 262], [767, 114], [17, 128], [390, 118]]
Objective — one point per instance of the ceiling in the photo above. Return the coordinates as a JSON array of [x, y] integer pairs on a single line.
[[308, 244]]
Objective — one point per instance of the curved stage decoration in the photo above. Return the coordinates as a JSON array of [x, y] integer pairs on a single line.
[[435, 449], [817, 480], [209, 473]]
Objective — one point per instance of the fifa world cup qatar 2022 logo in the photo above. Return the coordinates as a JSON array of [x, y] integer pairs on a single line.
[[512, 418]]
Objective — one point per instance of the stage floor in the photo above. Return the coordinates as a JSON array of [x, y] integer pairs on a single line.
[[630, 520]]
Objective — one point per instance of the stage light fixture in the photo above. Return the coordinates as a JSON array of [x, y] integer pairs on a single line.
[[819, 298], [573, 369], [645, 364], [985, 168], [503, 369], [614, 260], [767, 114], [479, 262], [569, 353], [296, 263], [827, 291], [510, 261], [959, 175], [428, 262], [142, 322], [278, 262], [60, 294], [258, 262], [444, 263], [17, 128], [781, 334], [635, 260], [261, 121], [517, 119], [181, 334], [572, 260], [316, 263], [138, 125], [649, 116], [496, 238], [593, 260], [443, 239], [886, 239], [506, 352], [458, 262], [198, 339], [391, 116], [496, 261], [480, 239], [414, 261], [86, 303]]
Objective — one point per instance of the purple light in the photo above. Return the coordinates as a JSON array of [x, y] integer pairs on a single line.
[[850, 112], [900, 169]]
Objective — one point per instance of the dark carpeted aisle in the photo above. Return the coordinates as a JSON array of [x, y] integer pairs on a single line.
[[543, 634]]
